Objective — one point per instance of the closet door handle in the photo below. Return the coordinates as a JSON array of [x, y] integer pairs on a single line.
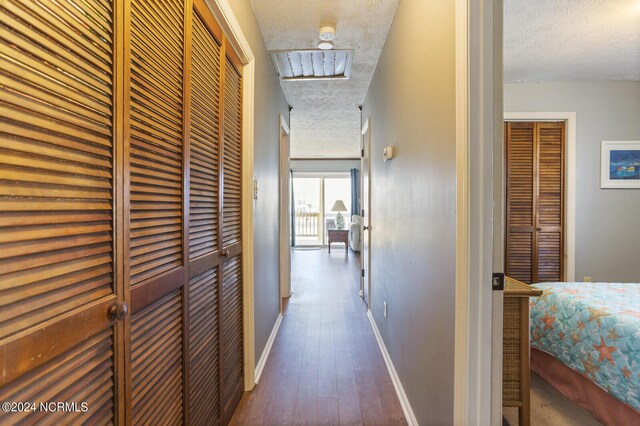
[[118, 311], [225, 254], [538, 229], [365, 228]]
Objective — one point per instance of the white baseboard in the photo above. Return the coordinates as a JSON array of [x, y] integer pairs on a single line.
[[404, 401], [265, 353]]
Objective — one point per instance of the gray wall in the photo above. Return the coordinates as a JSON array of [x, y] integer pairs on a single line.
[[411, 105], [607, 220], [269, 103]]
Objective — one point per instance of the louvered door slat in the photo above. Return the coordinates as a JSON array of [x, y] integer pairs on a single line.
[[231, 368], [56, 209], [550, 172], [550, 201], [156, 212], [156, 141], [156, 359], [204, 253], [203, 221], [204, 349], [232, 155], [520, 207], [69, 32], [55, 53], [82, 374]]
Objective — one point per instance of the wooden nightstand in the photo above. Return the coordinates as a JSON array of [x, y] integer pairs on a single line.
[[338, 236]]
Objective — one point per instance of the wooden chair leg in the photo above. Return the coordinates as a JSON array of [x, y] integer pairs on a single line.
[[524, 415]]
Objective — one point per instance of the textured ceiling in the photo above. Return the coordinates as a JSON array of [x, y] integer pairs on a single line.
[[325, 120], [571, 40], [545, 40]]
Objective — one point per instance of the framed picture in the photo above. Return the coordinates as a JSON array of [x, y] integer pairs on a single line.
[[620, 164]]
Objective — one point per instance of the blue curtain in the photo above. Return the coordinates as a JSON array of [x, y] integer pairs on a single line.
[[293, 211], [355, 192]]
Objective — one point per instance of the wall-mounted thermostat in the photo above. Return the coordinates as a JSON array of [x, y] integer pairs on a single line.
[[387, 154], [255, 188]]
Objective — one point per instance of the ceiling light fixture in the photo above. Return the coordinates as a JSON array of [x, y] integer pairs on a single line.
[[327, 35], [328, 31], [325, 45]]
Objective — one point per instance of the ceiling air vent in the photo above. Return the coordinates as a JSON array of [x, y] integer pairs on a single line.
[[297, 65]]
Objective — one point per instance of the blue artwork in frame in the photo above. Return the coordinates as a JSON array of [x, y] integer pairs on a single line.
[[624, 164], [620, 166]]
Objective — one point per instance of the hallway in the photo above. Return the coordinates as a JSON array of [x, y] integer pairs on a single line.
[[325, 366]]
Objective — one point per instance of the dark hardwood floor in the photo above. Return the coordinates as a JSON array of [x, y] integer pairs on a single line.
[[325, 366]]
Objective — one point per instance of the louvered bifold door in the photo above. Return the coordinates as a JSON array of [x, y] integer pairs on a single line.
[[535, 206], [549, 194], [57, 179], [231, 294], [520, 149], [204, 253], [155, 188]]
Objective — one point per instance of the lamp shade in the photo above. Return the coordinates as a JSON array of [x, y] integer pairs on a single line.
[[339, 206]]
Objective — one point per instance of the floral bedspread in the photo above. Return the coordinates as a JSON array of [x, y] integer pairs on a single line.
[[594, 328]]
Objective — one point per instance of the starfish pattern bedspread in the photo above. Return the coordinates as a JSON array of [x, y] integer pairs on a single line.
[[594, 328]]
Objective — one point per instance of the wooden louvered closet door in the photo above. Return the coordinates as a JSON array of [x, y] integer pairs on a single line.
[[535, 201], [120, 212], [156, 211], [59, 168], [231, 292], [205, 257], [550, 203]]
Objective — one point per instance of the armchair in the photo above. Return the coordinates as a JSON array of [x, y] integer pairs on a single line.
[[355, 229]]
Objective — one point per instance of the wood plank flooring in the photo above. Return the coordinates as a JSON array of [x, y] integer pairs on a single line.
[[325, 367]]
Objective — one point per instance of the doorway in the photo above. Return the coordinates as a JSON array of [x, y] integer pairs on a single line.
[[325, 236], [322, 202], [365, 261], [569, 167], [308, 208], [285, 211]]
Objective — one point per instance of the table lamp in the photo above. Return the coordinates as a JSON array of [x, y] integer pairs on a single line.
[[339, 206]]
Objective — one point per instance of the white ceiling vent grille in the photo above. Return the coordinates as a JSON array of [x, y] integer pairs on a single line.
[[296, 65]]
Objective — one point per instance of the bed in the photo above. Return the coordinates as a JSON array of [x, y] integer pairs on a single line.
[[593, 329]]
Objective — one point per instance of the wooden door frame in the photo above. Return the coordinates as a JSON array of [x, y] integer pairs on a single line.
[[367, 279], [221, 10], [285, 210], [569, 118]]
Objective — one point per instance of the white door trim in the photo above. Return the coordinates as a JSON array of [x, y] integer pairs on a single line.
[[367, 279], [285, 209], [461, 354], [284, 125], [570, 180], [478, 75], [221, 10], [223, 13], [365, 127]]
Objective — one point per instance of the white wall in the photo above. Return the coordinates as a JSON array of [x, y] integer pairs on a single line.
[[607, 220]]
